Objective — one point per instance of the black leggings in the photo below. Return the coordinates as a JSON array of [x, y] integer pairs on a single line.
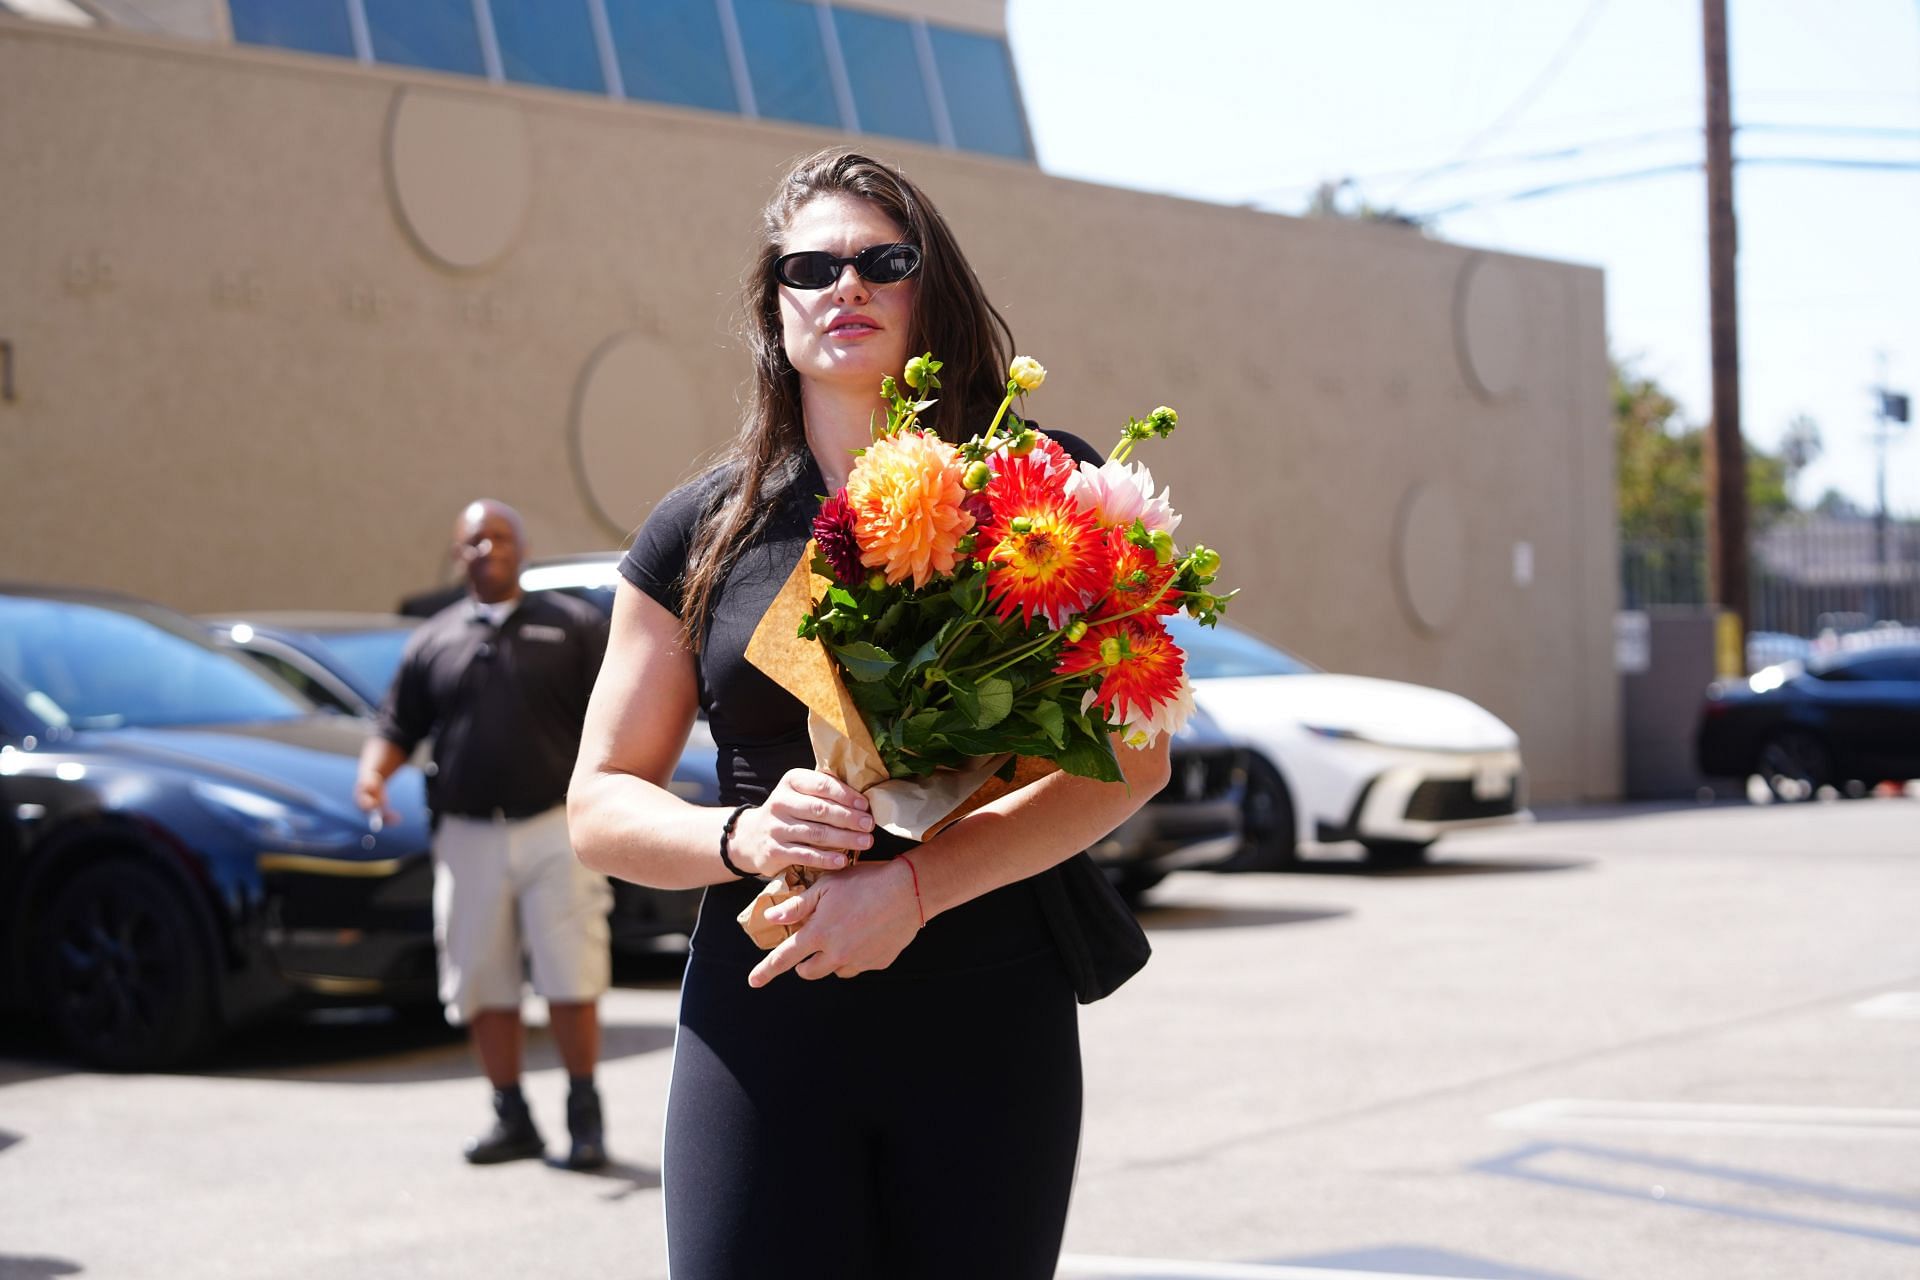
[[884, 1127]]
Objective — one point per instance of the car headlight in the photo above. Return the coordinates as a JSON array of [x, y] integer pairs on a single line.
[[271, 822]]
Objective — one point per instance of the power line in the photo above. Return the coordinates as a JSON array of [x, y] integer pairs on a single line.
[[1662, 171], [1576, 150], [1548, 74]]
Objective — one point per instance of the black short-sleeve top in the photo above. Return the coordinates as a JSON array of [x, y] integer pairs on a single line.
[[760, 729]]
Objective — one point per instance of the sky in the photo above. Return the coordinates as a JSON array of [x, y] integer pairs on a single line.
[[1257, 101]]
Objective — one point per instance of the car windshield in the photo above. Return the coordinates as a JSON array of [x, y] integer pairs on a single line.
[[1221, 652], [367, 658], [96, 667]]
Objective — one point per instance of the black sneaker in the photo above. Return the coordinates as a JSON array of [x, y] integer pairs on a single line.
[[586, 1128], [512, 1137]]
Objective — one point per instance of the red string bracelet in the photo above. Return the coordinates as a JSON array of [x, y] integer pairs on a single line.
[[918, 905]]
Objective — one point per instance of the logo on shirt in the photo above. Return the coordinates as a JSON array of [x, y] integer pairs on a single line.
[[542, 634]]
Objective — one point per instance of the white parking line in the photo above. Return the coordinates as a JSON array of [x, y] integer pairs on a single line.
[[1894, 1004], [1092, 1267], [1714, 1118]]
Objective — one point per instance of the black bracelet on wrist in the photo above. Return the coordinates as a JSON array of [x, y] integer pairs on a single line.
[[726, 834]]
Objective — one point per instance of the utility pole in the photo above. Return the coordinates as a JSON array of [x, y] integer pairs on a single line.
[[1725, 454]]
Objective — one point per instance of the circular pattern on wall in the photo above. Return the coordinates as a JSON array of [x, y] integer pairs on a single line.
[[1430, 556], [629, 387], [460, 175], [1492, 331]]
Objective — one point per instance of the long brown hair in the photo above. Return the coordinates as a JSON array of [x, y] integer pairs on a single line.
[[951, 318]]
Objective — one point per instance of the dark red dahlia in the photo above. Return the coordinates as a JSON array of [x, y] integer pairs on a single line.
[[833, 531]]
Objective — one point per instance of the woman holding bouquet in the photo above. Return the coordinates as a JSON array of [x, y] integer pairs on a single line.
[[893, 1091]]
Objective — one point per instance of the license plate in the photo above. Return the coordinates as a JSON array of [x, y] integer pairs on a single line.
[[1491, 784]]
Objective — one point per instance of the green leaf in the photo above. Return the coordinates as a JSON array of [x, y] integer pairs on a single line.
[[864, 661], [916, 732], [841, 596], [993, 702], [1052, 721], [1088, 758], [873, 695]]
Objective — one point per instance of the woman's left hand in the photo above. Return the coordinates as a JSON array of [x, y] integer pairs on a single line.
[[850, 922]]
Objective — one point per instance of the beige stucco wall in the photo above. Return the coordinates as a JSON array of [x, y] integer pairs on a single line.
[[244, 380]]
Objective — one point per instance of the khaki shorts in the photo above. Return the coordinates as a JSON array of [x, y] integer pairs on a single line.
[[508, 893]]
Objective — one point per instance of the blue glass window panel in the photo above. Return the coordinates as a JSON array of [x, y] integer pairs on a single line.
[[787, 61], [672, 51], [311, 26], [439, 35], [982, 99], [548, 42], [889, 94]]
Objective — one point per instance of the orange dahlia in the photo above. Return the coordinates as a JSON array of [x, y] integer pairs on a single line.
[[1045, 556], [1138, 577], [1141, 668], [905, 492]]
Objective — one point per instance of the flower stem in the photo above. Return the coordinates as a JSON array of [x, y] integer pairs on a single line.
[[987, 440]]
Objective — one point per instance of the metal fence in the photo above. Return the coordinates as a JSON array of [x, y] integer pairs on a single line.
[[1809, 575]]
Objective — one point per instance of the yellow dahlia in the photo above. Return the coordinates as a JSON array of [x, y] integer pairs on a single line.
[[906, 496]]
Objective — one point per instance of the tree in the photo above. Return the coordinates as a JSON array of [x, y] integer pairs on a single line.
[[1801, 447], [1837, 504], [1660, 463]]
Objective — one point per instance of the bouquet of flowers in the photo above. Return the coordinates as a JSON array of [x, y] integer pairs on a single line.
[[970, 617]]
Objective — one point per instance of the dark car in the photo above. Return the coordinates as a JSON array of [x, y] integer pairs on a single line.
[[346, 661], [341, 661], [1192, 823], [179, 851], [1848, 721]]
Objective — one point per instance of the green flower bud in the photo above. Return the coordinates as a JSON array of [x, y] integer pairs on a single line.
[[968, 541], [916, 372], [888, 387], [1205, 562], [1162, 543], [876, 580], [1110, 651], [1022, 445], [1021, 524], [1163, 420], [1076, 630], [936, 675], [1200, 604], [977, 476]]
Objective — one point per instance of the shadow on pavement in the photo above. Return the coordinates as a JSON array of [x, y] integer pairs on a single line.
[[21, 1267], [358, 1046], [1177, 915], [398, 1051], [1419, 1260], [623, 1179], [1436, 868]]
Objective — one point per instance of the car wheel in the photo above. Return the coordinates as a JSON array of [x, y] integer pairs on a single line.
[[1396, 853], [1267, 840], [1794, 764], [123, 975]]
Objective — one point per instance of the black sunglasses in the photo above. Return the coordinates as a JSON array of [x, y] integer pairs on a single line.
[[877, 264]]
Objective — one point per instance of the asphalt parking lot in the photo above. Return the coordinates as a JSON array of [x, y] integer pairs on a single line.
[[1621, 1042]]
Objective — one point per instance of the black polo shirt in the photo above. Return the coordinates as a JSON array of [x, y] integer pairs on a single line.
[[503, 705]]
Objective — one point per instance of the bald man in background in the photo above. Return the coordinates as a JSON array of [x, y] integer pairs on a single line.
[[500, 680]]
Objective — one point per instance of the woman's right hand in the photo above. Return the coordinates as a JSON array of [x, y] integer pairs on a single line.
[[811, 819]]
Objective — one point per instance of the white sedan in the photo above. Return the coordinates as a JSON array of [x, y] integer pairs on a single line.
[[1332, 757]]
